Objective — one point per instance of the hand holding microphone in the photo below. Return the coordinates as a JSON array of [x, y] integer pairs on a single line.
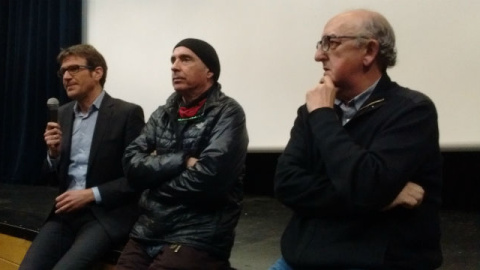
[[53, 134]]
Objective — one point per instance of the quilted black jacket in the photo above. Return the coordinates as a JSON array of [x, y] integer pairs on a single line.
[[197, 206]]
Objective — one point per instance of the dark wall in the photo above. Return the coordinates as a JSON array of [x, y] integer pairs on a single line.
[[31, 35], [461, 180], [461, 190]]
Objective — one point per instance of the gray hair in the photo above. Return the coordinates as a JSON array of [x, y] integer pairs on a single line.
[[380, 29]]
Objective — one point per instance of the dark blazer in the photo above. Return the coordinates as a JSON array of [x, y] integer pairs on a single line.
[[118, 124], [338, 179]]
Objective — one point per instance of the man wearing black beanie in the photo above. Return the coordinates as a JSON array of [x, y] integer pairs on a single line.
[[205, 52], [189, 160]]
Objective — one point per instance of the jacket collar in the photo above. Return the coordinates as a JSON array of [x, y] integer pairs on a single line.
[[213, 96], [378, 96], [102, 127]]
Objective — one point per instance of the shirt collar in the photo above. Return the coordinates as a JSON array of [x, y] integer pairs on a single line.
[[361, 98], [95, 105]]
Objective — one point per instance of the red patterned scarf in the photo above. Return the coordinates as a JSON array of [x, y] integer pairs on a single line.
[[184, 112]]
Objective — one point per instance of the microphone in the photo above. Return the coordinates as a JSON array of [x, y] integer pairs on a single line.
[[52, 104]]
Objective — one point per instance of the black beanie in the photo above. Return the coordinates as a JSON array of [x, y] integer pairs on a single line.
[[205, 52]]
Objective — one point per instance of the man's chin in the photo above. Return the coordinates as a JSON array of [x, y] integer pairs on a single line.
[[72, 94], [178, 88], [71, 89]]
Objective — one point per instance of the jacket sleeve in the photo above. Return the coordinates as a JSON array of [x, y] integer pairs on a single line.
[[299, 182], [350, 177], [220, 164], [143, 167]]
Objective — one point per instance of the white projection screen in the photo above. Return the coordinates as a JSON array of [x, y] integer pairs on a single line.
[[266, 50]]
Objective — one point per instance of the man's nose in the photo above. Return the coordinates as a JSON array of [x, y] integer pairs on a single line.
[[67, 75], [320, 55], [174, 65]]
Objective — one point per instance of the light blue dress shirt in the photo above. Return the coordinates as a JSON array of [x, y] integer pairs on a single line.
[[350, 108], [82, 135]]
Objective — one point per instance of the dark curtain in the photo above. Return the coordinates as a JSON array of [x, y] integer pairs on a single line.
[[31, 35]]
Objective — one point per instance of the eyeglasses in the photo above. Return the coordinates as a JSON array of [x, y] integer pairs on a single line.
[[326, 42], [71, 69]]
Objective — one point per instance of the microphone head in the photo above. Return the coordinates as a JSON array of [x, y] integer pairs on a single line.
[[52, 103]]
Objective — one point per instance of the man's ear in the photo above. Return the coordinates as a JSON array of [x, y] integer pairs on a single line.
[[371, 51], [98, 73], [209, 74]]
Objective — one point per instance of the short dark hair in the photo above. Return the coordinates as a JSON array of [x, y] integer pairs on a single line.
[[93, 57]]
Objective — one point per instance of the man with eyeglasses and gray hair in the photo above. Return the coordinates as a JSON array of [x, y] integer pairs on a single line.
[[362, 169], [95, 207]]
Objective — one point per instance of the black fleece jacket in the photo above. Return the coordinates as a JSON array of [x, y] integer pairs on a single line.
[[338, 179]]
